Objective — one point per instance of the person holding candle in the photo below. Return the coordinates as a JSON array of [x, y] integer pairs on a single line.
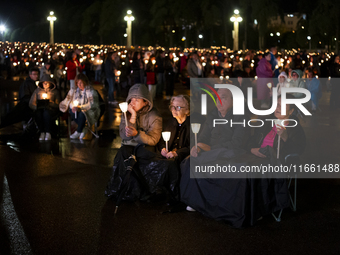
[[83, 105], [297, 82], [293, 139], [44, 102], [73, 68], [139, 135], [283, 82]]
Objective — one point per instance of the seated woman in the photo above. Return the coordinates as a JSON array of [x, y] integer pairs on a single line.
[[139, 136], [83, 104], [222, 199], [293, 139], [44, 101], [163, 171]]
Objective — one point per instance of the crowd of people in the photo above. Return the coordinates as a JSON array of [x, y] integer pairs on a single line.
[[148, 167]]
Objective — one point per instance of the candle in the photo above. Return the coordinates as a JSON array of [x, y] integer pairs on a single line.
[[75, 104], [123, 107], [44, 96], [166, 137], [195, 127], [269, 85]]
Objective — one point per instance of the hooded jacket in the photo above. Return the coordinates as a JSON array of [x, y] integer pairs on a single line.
[[280, 85], [52, 95], [148, 122], [299, 83]]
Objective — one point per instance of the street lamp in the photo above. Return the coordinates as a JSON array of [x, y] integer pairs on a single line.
[[51, 18], [2, 31], [236, 18], [129, 18], [309, 38]]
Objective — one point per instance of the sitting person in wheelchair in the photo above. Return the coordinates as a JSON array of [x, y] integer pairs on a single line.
[[44, 102], [83, 105]]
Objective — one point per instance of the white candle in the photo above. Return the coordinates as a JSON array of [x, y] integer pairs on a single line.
[[166, 136], [75, 104], [44, 96], [123, 107], [195, 127]]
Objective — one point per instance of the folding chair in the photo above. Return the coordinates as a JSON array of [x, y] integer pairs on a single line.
[[290, 159]]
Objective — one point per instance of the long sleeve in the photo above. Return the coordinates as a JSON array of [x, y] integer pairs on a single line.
[[33, 100]]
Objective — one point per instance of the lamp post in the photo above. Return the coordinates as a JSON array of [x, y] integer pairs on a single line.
[[236, 18], [309, 38], [129, 18], [2, 31], [51, 18]]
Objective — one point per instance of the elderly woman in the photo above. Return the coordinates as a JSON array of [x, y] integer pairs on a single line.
[[216, 198], [139, 136], [44, 102], [293, 139], [83, 104], [179, 126]]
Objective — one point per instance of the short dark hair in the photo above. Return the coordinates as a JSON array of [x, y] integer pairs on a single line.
[[33, 69]]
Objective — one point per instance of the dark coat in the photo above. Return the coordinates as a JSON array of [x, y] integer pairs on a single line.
[[295, 143], [183, 140]]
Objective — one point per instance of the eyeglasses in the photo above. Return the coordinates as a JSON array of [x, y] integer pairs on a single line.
[[176, 108]]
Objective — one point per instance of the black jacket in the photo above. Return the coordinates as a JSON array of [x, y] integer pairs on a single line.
[[183, 141], [295, 143], [224, 135]]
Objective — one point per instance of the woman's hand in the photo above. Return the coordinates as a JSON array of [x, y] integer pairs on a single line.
[[131, 110], [164, 152], [75, 109], [256, 152], [130, 131], [282, 132], [171, 154], [194, 152]]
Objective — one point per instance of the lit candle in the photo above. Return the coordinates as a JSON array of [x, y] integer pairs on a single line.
[[75, 104], [195, 127], [153, 61], [269, 85], [255, 77], [123, 107], [166, 137], [44, 96]]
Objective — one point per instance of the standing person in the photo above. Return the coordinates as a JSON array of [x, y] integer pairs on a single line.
[[160, 73], [110, 68], [195, 69], [170, 70], [73, 69], [313, 85], [87, 107], [297, 82], [264, 73], [44, 102], [97, 66], [283, 82], [273, 61], [46, 69], [137, 67], [335, 92]]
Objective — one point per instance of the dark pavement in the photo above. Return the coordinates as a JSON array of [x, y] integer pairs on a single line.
[[54, 201]]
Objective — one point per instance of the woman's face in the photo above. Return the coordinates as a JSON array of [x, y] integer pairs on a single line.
[[282, 79], [46, 84], [137, 103], [268, 57], [179, 109], [278, 114], [80, 85]]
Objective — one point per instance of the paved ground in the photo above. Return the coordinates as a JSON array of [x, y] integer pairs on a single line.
[[54, 201]]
